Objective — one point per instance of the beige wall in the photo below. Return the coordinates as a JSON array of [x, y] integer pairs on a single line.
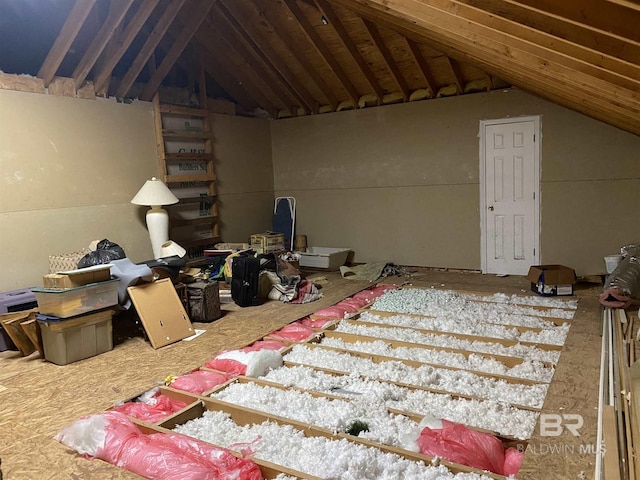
[[242, 147], [400, 183], [68, 169]]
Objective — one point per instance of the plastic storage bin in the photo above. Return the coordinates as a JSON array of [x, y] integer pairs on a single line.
[[76, 301], [324, 257], [67, 341]]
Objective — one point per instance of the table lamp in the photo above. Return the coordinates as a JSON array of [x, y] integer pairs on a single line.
[[154, 193]]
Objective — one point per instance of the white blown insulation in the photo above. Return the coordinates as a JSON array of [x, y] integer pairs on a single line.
[[452, 381], [435, 303], [529, 369], [550, 334], [333, 414], [486, 414], [533, 300], [526, 352], [368, 389], [324, 458]]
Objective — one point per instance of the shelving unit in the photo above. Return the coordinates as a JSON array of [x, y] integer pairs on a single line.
[[186, 164]]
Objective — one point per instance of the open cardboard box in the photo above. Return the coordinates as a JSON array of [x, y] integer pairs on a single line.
[[552, 280]]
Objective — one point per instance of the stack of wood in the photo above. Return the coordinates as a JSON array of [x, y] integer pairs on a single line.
[[618, 454]]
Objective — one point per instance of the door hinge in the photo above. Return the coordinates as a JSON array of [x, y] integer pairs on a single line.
[[534, 252], [534, 137], [534, 195]]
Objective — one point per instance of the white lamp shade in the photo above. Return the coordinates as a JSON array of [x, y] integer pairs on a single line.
[[154, 192], [171, 248]]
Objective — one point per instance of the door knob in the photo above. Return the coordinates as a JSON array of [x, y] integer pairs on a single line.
[[491, 207]]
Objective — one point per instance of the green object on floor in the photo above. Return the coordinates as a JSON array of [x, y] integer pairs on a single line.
[[368, 271]]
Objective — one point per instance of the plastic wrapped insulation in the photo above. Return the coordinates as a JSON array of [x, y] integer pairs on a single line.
[[622, 287]]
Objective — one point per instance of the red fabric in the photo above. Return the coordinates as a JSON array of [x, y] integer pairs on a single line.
[[295, 332], [512, 461], [318, 323], [264, 345], [164, 407], [234, 367], [169, 456], [615, 298], [198, 381], [370, 294], [459, 444], [231, 367], [330, 312], [353, 303]]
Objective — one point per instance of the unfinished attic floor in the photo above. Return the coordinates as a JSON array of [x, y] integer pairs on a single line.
[[38, 398]]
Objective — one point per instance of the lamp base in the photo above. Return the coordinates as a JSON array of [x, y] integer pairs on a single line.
[[158, 226]]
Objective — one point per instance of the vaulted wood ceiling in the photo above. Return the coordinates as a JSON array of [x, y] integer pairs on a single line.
[[297, 57]]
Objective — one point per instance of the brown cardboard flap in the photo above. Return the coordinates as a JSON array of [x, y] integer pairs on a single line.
[[77, 278], [552, 275], [11, 324], [161, 312]]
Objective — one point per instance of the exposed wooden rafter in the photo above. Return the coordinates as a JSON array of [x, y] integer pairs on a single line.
[[121, 43], [388, 58], [70, 29], [264, 68], [195, 19], [334, 21], [291, 44], [145, 52], [414, 48], [457, 74], [455, 28], [272, 57], [218, 47], [323, 50], [117, 10]]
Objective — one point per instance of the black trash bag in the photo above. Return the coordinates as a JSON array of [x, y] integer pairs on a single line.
[[105, 252]]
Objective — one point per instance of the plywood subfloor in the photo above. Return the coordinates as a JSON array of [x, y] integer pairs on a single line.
[[38, 398]]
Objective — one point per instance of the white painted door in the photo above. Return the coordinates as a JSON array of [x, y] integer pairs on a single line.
[[510, 167]]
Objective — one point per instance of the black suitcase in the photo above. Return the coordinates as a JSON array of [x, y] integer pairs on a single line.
[[204, 301], [244, 280]]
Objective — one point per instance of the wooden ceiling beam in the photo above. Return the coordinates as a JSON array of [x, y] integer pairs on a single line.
[[614, 48], [323, 50], [560, 37], [195, 18], [229, 28], [218, 47], [457, 74], [388, 58], [121, 44], [117, 11], [160, 28], [604, 15], [515, 60], [272, 57], [225, 79], [269, 20], [336, 23], [77, 16], [414, 48]]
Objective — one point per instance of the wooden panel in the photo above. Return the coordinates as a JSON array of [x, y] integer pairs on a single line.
[[525, 64], [65, 38]]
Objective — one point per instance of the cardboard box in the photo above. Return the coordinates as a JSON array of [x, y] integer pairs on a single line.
[[66, 261], [77, 301], [70, 340], [552, 280], [267, 242], [327, 258], [77, 278]]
